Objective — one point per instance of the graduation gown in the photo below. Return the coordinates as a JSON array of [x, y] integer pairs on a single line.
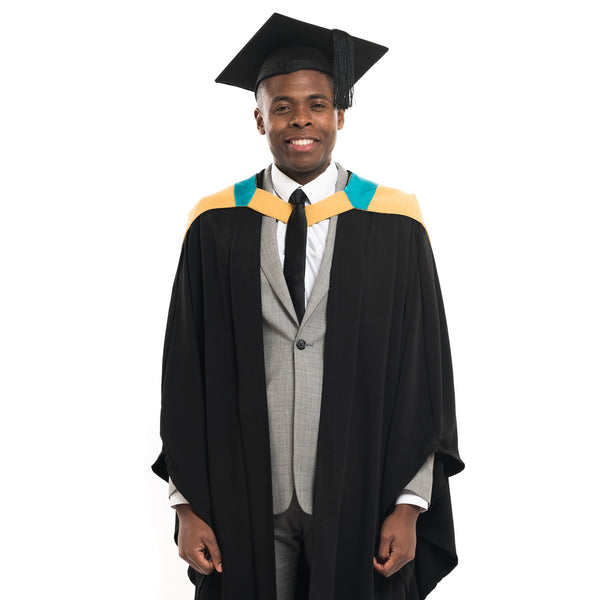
[[387, 398]]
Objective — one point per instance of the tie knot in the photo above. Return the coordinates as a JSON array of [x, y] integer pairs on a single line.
[[298, 197]]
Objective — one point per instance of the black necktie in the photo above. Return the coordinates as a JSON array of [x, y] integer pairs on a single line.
[[295, 251]]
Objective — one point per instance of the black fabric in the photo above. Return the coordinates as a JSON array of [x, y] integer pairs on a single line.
[[294, 265], [387, 404], [343, 69], [284, 45], [295, 58]]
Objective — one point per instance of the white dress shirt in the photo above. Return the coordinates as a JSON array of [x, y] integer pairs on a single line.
[[316, 237]]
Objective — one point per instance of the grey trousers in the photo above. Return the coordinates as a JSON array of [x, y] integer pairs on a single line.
[[293, 530]]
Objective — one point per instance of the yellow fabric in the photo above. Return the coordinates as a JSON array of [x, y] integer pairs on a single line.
[[223, 199], [386, 200], [270, 205], [391, 201], [327, 208]]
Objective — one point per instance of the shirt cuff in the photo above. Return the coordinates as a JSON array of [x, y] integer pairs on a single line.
[[408, 497], [175, 497]]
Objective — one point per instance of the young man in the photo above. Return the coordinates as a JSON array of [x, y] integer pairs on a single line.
[[308, 418]]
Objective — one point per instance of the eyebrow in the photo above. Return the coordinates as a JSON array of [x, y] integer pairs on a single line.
[[311, 97]]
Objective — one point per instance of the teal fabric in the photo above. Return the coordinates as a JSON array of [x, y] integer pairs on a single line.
[[244, 190], [360, 191]]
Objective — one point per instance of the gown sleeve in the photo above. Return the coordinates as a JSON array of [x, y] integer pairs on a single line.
[[183, 458], [425, 417]]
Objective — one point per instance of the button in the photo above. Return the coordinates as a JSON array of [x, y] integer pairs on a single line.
[[300, 344]]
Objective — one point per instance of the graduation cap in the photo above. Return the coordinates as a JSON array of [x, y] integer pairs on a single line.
[[284, 45]]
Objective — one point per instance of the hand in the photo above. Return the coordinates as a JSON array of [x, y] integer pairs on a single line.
[[197, 542], [398, 540]]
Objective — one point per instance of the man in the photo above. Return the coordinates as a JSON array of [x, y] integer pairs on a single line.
[[307, 417]]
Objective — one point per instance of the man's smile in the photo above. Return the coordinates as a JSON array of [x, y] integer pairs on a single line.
[[302, 144]]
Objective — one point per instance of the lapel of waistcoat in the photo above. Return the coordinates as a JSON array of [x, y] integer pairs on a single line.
[[271, 262], [322, 282], [321, 286]]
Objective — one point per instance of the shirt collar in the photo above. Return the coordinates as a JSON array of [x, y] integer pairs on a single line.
[[316, 190]]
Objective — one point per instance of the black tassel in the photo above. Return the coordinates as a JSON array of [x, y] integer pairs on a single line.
[[343, 69]]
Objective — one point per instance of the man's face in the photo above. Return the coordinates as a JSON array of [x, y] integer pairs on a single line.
[[296, 113]]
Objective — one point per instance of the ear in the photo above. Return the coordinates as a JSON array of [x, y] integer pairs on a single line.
[[341, 116], [260, 122]]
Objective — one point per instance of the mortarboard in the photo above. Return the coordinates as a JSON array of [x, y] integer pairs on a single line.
[[284, 45]]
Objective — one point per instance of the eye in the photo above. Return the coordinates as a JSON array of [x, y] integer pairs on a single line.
[[281, 108], [319, 106]]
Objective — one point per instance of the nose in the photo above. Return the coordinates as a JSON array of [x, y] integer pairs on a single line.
[[301, 118]]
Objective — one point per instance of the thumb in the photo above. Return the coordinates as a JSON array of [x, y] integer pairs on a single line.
[[385, 544], [215, 554]]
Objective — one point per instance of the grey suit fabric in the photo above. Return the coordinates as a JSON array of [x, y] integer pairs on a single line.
[[293, 537], [294, 367], [293, 356], [422, 482]]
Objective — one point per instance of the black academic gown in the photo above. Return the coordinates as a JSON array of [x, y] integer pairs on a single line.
[[387, 404]]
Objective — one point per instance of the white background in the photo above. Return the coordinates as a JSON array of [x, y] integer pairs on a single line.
[[112, 129]]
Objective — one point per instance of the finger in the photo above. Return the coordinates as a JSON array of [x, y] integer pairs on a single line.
[[401, 556], [378, 566], [390, 566], [197, 560], [385, 547], [203, 559], [215, 554], [386, 568]]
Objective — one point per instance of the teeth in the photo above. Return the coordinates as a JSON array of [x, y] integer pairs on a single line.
[[302, 142]]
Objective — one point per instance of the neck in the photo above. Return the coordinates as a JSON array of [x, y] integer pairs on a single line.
[[303, 178]]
